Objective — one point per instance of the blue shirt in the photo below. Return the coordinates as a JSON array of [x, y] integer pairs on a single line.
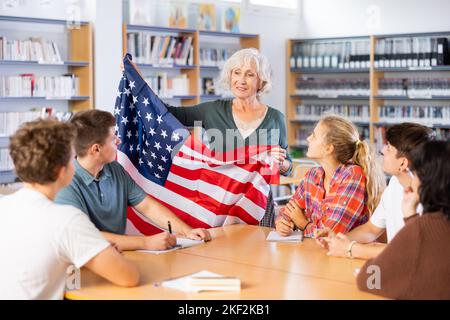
[[104, 200]]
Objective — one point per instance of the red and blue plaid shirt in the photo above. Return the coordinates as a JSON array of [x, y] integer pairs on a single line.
[[343, 208]]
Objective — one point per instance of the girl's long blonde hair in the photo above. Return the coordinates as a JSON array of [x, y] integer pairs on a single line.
[[344, 136]]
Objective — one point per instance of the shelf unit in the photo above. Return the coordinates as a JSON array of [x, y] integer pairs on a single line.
[[194, 71], [79, 62], [375, 101]]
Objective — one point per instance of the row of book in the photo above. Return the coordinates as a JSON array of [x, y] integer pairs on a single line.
[[380, 134], [33, 49], [215, 57], [11, 121], [411, 52], [167, 87], [6, 163], [303, 132], [332, 87], [29, 85], [335, 54], [148, 48], [429, 115], [356, 113], [422, 87]]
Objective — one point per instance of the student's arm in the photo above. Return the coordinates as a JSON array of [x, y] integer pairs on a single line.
[[160, 241], [159, 214], [395, 266], [112, 266], [365, 233]]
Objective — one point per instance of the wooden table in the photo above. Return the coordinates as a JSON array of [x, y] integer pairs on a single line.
[[267, 270]]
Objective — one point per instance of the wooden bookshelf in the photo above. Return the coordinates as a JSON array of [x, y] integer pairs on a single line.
[[193, 72], [79, 61], [375, 74]]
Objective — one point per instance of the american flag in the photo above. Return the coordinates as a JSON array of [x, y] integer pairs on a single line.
[[198, 185]]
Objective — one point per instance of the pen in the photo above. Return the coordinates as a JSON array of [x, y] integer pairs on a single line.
[[170, 227]]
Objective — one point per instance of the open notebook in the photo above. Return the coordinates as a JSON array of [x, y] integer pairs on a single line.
[[181, 243], [295, 236], [203, 281]]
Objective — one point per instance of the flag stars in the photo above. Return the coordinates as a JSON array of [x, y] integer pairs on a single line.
[[124, 120], [138, 148], [150, 164], [175, 137], [164, 134], [144, 152], [117, 111], [135, 120], [141, 162], [116, 128], [159, 119], [145, 102], [147, 144], [148, 117], [136, 134], [132, 106], [153, 155], [157, 145], [127, 91], [169, 148], [131, 148], [132, 85], [152, 132], [129, 134], [135, 99], [160, 168], [164, 159], [157, 176], [119, 94]]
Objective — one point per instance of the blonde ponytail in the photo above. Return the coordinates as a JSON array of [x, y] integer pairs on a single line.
[[375, 179], [344, 136]]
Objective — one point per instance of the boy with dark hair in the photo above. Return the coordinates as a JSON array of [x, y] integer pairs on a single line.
[[41, 239], [102, 188], [401, 140]]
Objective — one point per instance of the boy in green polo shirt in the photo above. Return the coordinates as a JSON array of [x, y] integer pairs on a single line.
[[103, 190]]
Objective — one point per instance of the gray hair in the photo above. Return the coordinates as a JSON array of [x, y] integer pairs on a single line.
[[247, 57]]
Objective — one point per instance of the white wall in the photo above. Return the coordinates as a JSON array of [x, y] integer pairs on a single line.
[[330, 18]]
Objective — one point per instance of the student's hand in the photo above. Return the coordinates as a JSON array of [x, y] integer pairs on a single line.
[[338, 245], [199, 234], [160, 241], [296, 214], [320, 234], [284, 225], [409, 203]]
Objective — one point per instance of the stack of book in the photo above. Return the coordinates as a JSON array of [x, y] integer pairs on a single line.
[[29, 85], [411, 52], [356, 113], [332, 87], [351, 54], [33, 49], [148, 48], [167, 87]]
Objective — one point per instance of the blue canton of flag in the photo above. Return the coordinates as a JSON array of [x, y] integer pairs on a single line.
[[151, 136]]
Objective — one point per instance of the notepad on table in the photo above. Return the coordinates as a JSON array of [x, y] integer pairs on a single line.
[[204, 281], [295, 236], [181, 244]]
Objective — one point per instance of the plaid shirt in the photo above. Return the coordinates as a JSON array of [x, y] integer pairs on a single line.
[[343, 208]]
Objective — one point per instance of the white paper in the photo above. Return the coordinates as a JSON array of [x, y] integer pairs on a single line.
[[182, 283], [296, 236], [181, 244]]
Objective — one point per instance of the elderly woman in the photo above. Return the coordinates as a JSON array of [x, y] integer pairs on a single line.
[[243, 120]]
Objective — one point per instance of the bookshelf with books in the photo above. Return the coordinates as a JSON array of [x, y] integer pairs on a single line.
[[375, 81], [326, 75], [45, 63], [184, 61]]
